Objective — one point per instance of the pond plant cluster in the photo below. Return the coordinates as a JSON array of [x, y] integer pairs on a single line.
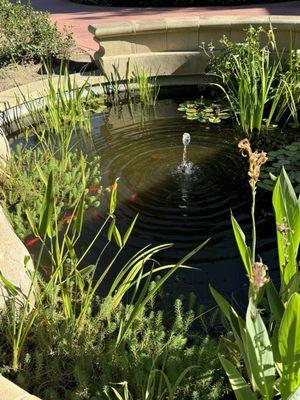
[[94, 334]]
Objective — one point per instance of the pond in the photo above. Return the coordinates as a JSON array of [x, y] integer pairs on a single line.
[[144, 148]]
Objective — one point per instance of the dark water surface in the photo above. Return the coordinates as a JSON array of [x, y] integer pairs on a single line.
[[144, 149]]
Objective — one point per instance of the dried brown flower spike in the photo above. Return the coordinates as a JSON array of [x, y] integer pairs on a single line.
[[256, 160]]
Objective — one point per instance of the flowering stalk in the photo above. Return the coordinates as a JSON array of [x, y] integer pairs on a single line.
[[256, 160]]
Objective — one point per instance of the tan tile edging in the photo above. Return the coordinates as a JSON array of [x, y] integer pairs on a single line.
[[10, 391]]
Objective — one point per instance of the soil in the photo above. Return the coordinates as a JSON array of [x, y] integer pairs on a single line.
[[16, 75], [19, 74]]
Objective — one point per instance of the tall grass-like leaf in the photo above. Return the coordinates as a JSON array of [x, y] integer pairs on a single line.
[[289, 347], [240, 387], [46, 212], [259, 351], [275, 302], [245, 251], [287, 212]]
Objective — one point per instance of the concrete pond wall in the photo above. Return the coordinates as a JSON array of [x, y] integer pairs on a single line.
[[173, 46]]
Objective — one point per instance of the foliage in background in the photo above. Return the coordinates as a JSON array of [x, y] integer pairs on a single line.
[[198, 110], [28, 35], [262, 86], [172, 3], [287, 157], [263, 358]]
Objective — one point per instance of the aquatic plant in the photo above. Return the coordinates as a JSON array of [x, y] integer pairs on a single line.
[[287, 157], [65, 108], [267, 343], [23, 182], [138, 82], [67, 295], [147, 85], [260, 84], [200, 111]]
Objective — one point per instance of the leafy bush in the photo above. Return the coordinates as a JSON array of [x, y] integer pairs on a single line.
[[26, 34], [171, 3], [268, 342]]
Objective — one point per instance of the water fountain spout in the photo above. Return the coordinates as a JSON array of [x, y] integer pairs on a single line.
[[186, 140]]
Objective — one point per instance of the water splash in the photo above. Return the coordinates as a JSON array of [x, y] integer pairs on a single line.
[[186, 166]]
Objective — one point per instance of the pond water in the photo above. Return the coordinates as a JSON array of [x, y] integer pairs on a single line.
[[145, 150]]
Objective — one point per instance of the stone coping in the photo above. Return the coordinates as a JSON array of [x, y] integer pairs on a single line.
[[136, 27], [175, 45], [10, 391]]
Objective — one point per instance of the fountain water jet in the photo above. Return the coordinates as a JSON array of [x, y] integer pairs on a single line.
[[186, 166]]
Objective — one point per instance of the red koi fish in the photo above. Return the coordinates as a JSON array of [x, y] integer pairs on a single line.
[[133, 197], [67, 218], [31, 242], [95, 214], [94, 189]]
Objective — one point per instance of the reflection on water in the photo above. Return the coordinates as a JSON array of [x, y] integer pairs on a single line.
[[145, 150]]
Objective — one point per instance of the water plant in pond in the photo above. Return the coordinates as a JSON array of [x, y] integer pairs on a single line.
[[287, 157], [66, 314], [198, 110], [23, 182], [260, 84], [138, 82], [267, 344], [65, 108]]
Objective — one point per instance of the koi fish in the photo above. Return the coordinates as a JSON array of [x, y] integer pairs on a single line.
[[133, 197], [95, 214], [67, 218], [31, 242], [94, 189], [112, 186]]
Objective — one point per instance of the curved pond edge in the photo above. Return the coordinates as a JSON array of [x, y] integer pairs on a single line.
[[172, 46]]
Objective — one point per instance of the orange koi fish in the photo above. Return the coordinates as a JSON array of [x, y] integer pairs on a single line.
[[31, 242]]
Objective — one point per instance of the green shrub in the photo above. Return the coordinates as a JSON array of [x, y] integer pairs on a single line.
[[28, 35]]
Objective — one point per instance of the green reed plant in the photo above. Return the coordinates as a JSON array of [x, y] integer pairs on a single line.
[[267, 343], [137, 79], [146, 84], [260, 84], [65, 108]]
